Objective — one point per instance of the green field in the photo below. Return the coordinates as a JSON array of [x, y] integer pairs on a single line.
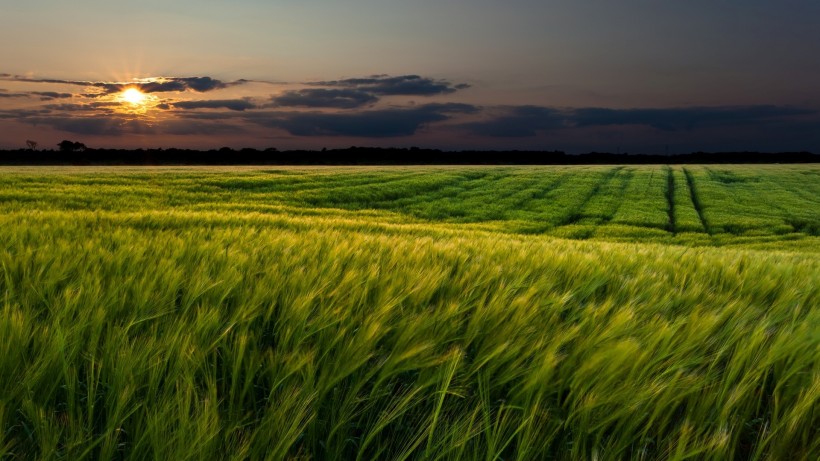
[[567, 313]]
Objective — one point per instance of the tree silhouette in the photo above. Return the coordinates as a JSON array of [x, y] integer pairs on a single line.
[[32, 145], [71, 146]]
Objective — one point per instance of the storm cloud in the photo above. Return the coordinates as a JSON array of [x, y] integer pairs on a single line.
[[407, 85]]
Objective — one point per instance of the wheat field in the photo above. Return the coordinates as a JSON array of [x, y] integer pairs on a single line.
[[436, 313]]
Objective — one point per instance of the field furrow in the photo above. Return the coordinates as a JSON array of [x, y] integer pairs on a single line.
[[669, 192], [687, 218], [695, 197]]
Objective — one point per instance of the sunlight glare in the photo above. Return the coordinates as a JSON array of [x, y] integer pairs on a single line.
[[133, 96]]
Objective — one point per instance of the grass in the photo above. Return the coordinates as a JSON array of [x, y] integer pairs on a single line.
[[410, 313]]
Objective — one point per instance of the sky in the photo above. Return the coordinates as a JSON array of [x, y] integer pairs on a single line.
[[641, 76]]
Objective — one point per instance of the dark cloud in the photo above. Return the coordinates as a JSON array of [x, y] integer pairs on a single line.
[[22, 114], [50, 95], [230, 104], [450, 108], [112, 125], [369, 124], [93, 126], [322, 97], [409, 85], [158, 85], [105, 106], [103, 85], [682, 118], [198, 84], [526, 121], [520, 121], [197, 127], [6, 94]]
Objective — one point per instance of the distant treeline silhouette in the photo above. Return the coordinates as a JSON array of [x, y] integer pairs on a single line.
[[72, 153]]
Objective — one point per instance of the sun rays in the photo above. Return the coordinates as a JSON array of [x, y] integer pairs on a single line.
[[133, 100], [133, 96]]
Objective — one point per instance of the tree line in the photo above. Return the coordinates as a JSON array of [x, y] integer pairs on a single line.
[[76, 153]]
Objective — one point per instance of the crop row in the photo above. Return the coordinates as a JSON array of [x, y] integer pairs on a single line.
[[694, 204]]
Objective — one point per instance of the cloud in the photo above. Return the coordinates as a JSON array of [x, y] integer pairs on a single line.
[[113, 125], [177, 84], [682, 118], [50, 95], [21, 114], [408, 85], [6, 94], [98, 125], [527, 121], [196, 127], [342, 94], [521, 121], [322, 97], [369, 124], [106, 106], [152, 85], [230, 104], [357, 92], [43, 95]]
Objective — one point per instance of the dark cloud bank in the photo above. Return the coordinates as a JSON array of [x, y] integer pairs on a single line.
[[368, 124], [520, 122], [349, 108], [238, 116], [527, 121]]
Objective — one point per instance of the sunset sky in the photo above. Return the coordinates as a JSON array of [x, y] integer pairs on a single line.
[[575, 75]]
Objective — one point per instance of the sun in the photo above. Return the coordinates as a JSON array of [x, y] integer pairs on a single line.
[[133, 96], [133, 101]]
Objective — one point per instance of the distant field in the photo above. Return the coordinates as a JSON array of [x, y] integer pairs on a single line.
[[769, 206], [569, 313]]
